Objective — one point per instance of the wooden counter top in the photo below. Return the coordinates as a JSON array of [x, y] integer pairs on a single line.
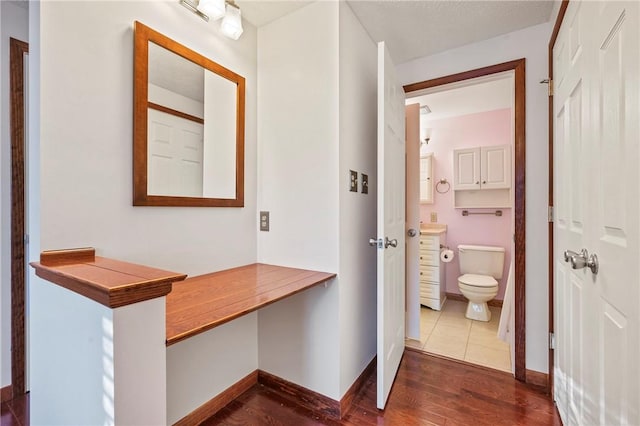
[[112, 283], [206, 301]]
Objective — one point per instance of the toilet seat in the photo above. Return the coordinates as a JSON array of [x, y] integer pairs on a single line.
[[478, 280]]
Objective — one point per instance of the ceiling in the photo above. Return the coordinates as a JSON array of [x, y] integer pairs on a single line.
[[417, 28], [469, 97]]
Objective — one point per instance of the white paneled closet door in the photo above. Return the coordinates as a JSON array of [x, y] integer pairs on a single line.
[[597, 192]]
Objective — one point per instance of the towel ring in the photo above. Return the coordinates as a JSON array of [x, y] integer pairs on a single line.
[[443, 182]]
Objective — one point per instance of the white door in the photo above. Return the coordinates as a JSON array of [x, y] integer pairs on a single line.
[[596, 186], [176, 155], [391, 224], [413, 197]]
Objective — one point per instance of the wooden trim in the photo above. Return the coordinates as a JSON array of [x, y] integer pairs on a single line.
[[6, 394], [347, 399], [109, 282], [552, 42], [142, 36], [460, 298], [520, 221], [518, 66], [68, 256], [17, 50], [466, 75], [300, 395], [220, 401], [175, 112], [207, 301], [538, 380]]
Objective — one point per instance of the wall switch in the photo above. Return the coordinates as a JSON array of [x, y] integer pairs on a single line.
[[434, 217], [353, 181], [264, 221], [365, 183]]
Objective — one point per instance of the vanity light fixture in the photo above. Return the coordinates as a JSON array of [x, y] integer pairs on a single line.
[[213, 10]]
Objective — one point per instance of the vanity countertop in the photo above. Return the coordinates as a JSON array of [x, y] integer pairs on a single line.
[[432, 228]]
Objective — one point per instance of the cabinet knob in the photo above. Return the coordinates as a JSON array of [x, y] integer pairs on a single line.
[[484, 181], [477, 182]]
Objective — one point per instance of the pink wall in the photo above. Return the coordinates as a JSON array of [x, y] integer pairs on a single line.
[[473, 130]]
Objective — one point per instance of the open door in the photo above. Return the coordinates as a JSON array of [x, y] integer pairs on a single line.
[[391, 224], [412, 271]]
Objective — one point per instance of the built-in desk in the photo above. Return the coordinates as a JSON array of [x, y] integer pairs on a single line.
[[206, 301]]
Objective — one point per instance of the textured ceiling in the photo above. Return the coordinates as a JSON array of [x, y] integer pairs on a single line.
[[417, 28]]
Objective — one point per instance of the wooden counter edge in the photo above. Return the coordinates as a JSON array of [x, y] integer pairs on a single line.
[[111, 297]]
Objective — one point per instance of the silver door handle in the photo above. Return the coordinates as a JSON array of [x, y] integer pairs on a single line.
[[412, 232], [388, 242], [374, 242], [582, 260]]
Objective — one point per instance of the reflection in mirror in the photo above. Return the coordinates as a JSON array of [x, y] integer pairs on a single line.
[[193, 119]]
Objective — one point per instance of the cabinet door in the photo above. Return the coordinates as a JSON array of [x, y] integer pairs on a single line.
[[426, 179], [495, 167], [466, 168]]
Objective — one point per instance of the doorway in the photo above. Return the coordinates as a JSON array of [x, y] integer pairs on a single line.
[[516, 196]]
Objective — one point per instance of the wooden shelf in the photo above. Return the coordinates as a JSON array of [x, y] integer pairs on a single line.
[[201, 303], [109, 282]]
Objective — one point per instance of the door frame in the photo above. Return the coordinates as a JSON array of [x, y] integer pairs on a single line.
[[552, 42], [518, 66], [17, 50]]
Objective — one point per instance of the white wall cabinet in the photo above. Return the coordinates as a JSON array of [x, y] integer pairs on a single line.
[[482, 177], [486, 167], [432, 271], [426, 179]]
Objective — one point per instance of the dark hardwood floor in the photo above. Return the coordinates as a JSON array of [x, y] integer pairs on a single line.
[[15, 412], [428, 391]]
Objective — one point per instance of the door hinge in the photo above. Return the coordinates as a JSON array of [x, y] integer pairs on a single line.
[[552, 341], [550, 214], [26, 238], [550, 85]]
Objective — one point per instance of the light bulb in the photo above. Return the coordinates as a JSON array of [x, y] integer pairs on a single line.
[[214, 9], [232, 23]]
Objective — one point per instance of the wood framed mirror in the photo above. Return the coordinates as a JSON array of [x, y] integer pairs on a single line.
[[188, 126]]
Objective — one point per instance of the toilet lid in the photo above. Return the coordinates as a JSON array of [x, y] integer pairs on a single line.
[[478, 280]]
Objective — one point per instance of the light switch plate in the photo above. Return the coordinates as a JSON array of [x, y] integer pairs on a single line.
[[434, 217], [264, 221], [365, 183], [353, 181]]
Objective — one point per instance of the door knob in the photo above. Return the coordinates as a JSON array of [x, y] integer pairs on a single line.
[[412, 232], [582, 260], [388, 242]]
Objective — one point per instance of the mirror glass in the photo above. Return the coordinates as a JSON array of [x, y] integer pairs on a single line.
[[188, 126]]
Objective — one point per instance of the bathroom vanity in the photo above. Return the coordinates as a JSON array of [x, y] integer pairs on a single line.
[[432, 271]]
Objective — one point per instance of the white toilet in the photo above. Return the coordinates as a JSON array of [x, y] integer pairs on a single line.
[[480, 266]]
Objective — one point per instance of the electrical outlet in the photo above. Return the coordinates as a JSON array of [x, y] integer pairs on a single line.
[[353, 181], [365, 184], [434, 217], [264, 221]]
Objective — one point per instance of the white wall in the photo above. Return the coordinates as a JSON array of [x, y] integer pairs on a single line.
[[192, 377], [85, 147], [14, 23], [298, 181], [530, 43], [358, 149]]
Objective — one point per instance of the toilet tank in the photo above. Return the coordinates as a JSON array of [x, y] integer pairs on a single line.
[[481, 260]]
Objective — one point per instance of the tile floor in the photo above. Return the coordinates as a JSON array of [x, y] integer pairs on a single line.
[[451, 334]]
